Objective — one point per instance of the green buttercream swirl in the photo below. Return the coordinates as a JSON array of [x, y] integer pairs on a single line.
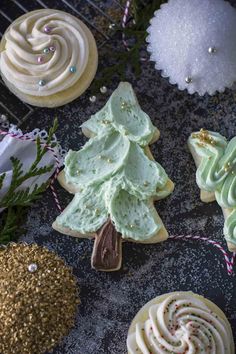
[[114, 174], [87, 211], [132, 217], [117, 173], [217, 173], [230, 227], [99, 159], [123, 114]]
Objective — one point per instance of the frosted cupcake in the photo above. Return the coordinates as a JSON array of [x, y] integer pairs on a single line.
[[48, 57], [180, 322]]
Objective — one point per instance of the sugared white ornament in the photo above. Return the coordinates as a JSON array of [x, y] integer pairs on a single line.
[[193, 43]]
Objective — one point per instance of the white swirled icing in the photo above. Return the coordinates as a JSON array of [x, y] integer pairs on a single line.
[[26, 40], [182, 324]]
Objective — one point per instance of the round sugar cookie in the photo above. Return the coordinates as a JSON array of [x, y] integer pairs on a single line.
[[176, 321], [48, 57]]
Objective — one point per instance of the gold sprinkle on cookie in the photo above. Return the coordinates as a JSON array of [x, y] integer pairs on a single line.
[[204, 137], [105, 121], [126, 106]]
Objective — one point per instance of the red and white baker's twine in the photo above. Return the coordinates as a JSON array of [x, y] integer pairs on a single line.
[[54, 176], [124, 22], [229, 261]]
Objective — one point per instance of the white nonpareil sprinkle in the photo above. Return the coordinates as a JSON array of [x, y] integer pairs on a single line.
[[32, 268]]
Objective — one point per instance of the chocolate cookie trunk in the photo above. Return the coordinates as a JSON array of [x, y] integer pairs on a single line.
[[107, 250]]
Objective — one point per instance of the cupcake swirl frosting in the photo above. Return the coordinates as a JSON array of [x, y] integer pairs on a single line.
[[182, 324], [45, 52]]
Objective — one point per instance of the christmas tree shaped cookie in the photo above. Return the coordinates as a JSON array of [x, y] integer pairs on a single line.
[[115, 181], [215, 159]]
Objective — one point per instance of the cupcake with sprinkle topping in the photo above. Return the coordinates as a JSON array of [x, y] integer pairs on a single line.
[[48, 57], [180, 322]]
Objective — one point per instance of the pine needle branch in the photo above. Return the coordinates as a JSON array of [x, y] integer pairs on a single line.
[[16, 198], [123, 59], [141, 11], [11, 219], [2, 177], [13, 196]]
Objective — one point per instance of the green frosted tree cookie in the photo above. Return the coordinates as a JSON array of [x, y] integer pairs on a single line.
[[216, 175], [116, 181]]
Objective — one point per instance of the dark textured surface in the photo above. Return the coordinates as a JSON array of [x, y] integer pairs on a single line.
[[110, 301]]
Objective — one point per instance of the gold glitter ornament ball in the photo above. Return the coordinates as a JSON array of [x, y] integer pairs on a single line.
[[38, 299]]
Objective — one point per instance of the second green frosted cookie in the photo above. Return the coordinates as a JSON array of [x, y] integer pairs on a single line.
[[215, 159]]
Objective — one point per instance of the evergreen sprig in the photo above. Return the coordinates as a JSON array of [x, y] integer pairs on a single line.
[[16, 198], [10, 224], [123, 60], [141, 12]]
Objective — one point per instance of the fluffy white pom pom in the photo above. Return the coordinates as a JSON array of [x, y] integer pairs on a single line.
[[193, 42]]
